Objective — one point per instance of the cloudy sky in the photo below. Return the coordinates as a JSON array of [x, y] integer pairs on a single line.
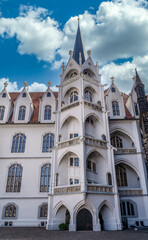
[[36, 36]]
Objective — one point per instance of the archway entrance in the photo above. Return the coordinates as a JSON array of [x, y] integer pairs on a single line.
[[84, 220]]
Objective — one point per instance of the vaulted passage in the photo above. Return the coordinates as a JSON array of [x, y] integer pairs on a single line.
[[84, 220]]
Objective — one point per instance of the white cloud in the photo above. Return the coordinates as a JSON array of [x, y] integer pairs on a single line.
[[36, 32], [54, 89], [12, 86], [37, 87]]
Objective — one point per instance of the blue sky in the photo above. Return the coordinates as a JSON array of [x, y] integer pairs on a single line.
[[36, 36]]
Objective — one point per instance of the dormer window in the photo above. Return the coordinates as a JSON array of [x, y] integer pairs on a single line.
[[22, 113], [74, 97], [48, 94], [88, 96], [4, 95], [47, 113], [24, 95], [115, 108], [113, 89], [2, 111]]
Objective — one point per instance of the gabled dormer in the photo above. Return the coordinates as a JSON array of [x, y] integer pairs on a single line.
[[47, 106], [115, 102], [23, 107], [5, 104]]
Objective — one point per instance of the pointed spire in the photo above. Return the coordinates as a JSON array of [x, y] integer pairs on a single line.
[[138, 79], [78, 47]]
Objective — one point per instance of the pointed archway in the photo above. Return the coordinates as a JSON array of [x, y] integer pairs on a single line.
[[84, 220]]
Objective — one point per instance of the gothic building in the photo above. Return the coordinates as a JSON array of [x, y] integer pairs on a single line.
[[74, 156]]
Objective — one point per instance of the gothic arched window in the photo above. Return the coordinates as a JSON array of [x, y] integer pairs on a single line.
[[45, 177], [73, 74], [115, 108], [113, 89], [48, 94], [88, 96], [109, 179], [48, 142], [4, 95], [10, 211], [136, 108], [116, 142], [2, 111], [14, 178], [44, 211], [47, 113], [22, 112], [121, 176], [73, 96], [18, 143], [24, 95], [128, 208]]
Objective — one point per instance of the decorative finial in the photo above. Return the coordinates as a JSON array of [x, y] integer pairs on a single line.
[[89, 52], [62, 66], [5, 84], [78, 19], [112, 79], [25, 84], [134, 78], [70, 53], [49, 83]]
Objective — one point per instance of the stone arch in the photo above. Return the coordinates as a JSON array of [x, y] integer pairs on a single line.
[[126, 162], [105, 214], [89, 70], [66, 118], [123, 131], [67, 75], [94, 115], [107, 203], [94, 150], [68, 90], [62, 213], [58, 205], [66, 152]]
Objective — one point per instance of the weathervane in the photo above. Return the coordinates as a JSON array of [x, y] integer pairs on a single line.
[[112, 79], [25, 84]]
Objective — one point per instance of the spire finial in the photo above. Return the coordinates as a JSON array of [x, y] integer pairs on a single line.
[[49, 83], [25, 84], [112, 79], [5, 84]]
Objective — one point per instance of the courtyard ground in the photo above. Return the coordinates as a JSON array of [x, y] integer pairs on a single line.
[[42, 234]]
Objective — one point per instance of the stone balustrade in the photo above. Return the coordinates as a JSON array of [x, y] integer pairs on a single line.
[[93, 106], [125, 151], [99, 188], [130, 192], [69, 142], [74, 104], [95, 142], [69, 189]]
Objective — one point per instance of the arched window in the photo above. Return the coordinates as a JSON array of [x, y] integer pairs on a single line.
[[103, 137], [22, 112], [18, 143], [73, 74], [128, 208], [48, 94], [10, 211], [91, 165], [113, 89], [109, 179], [14, 178], [136, 108], [47, 113], [115, 108], [116, 142], [87, 73], [45, 177], [44, 211], [2, 111], [4, 95], [24, 95], [48, 142], [121, 176], [88, 96], [73, 96]]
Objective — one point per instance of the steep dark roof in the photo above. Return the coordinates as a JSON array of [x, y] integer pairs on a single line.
[[78, 47], [138, 79]]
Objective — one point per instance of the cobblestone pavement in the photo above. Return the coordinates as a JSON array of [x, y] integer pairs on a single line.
[[42, 234]]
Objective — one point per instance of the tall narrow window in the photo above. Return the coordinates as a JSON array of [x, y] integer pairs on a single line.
[[109, 179], [48, 142], [2, 111], [116, 142], [136, 108], [47, 113], [10, 211], [45, 177], [88, 96], [14, 178], [74, 97], [18, 143], [22, 112], [128, 209], [44, 211], [121, 176], [115, 108]]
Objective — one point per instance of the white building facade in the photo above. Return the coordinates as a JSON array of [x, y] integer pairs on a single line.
[[72, 157]]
